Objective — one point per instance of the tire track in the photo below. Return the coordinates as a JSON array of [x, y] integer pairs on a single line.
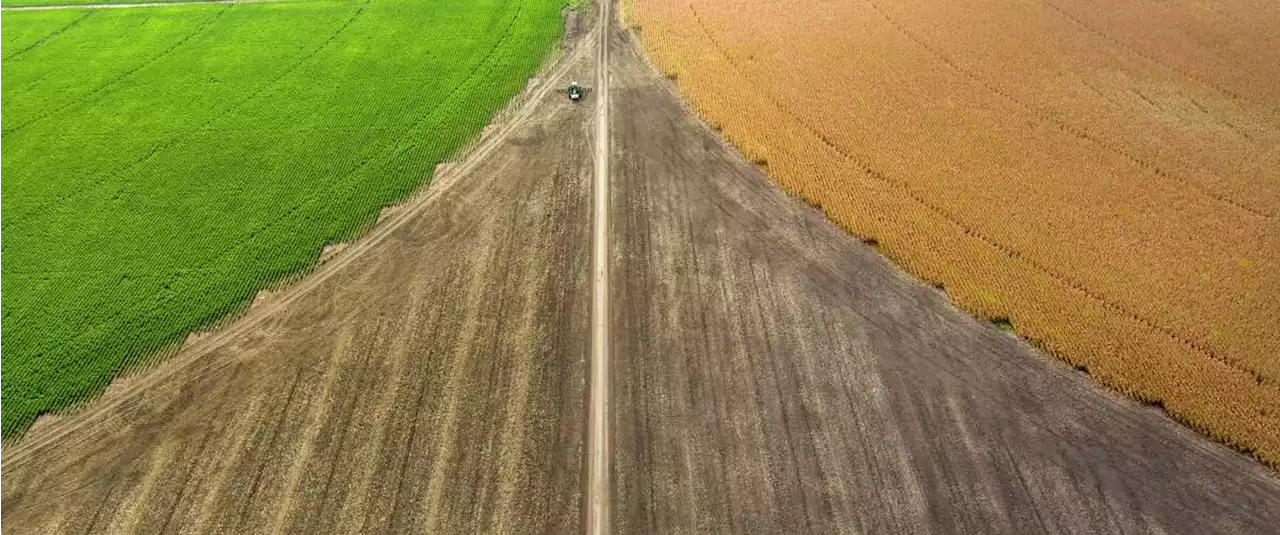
[[133, 314], [83, 99], [22, 452], [1151, 168], [204, 444], [445, 331], [343, 425], [106, 497], [267, 450], [1122, 46], [506, 212], [900, 413], [179, 135], [46, 38]]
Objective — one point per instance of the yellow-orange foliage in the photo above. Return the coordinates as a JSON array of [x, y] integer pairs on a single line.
[[1104, 176]]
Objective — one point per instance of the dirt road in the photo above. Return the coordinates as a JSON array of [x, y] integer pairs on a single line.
[[768, 374], [774, 375], [598, 441]]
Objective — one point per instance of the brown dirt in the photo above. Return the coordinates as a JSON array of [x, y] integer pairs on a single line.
[[429, 377], [1105, 176], [772, 374]]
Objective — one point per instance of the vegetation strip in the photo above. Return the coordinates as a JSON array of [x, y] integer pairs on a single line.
[[175, 193]]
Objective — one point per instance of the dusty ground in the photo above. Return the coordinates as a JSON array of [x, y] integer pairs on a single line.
[[774, 375], [435, 382], [1102, 175], [771, 375]]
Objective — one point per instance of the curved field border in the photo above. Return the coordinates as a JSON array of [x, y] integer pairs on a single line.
[[1232, 400], [197, 358], [406, 147]]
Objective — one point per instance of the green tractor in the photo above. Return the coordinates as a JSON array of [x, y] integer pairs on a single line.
[[575, 91]]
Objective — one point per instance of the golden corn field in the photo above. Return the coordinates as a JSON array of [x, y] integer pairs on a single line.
[[1104, 176]]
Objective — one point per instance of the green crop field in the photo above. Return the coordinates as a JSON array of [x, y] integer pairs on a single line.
[[162, 165], [24, 3]]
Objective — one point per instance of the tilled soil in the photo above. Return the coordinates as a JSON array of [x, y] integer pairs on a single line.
[[434, 384], [1102, 177], [772, 374]]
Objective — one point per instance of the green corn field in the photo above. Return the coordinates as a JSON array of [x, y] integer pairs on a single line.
[[163, 165]]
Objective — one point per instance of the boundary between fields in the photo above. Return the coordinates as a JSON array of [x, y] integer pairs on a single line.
[[26, 449], [1114, 306]]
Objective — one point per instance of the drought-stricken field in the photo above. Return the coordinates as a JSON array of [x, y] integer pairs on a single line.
[[1103, 177], [162, 165]]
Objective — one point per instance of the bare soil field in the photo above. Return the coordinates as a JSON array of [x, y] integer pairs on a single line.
[[772, 374], [433, 381], [1102, 176]]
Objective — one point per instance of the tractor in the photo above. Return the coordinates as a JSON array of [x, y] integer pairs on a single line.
[[575, 91]]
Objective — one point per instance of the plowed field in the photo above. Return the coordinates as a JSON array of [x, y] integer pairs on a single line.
[[770, 373], [1102, 177]]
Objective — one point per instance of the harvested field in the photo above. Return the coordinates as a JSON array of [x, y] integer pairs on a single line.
[[164, 164], [428, 378], [774, 375], [1104, 177], [771, 374]]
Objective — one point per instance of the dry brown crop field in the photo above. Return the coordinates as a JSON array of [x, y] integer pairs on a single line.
[[1104, 176]]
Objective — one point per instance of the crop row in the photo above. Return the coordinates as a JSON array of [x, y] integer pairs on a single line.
[[1032, 184], [164, 165]]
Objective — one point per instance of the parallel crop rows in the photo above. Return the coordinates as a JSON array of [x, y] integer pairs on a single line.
[[24, 3], [1115, 202], [162, 166]]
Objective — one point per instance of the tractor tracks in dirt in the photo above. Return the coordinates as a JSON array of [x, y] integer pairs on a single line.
[[430, 377], [40, 438], [773, 374], [748, 367]]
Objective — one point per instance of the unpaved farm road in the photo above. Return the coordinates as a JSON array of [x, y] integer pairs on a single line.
[[770, 374], [598, 447]]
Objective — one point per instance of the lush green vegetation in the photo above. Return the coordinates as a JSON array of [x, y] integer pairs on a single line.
[[27, 3], [162, 165], [15, 3]]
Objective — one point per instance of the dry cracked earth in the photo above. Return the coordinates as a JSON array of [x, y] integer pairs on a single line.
[[771, 374]]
